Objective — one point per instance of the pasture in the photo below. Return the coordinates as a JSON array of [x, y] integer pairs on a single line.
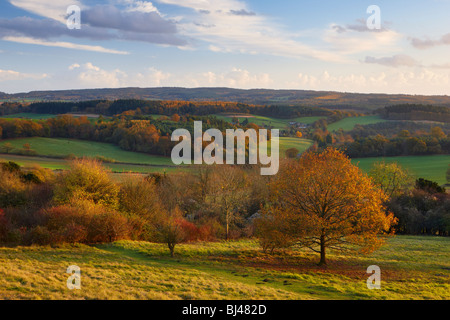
[[349, 124], [29, 116], [271, 122], [60, 148], [429, 167], [55, 147], [62, 164], [412, 268], [288, 142]]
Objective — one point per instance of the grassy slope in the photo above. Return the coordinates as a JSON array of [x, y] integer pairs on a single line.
[[428, 167], [300, 144], [349, 123], [412, 268], [64, 147], [61, 164], [273, 122]]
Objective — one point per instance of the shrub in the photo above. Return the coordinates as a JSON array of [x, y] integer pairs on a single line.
[[40, 236], [139, 196], [87, 180], [12, 189], [107, 227], [170, 231]]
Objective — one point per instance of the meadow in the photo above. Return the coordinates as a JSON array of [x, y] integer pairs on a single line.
[[349, 124], [275, 123], [412, 268], [56, 147], [429, 167], [300, 144], [30, 116]]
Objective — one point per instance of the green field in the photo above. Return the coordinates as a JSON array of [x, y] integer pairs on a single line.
[[61, 164], [31, 116], [429, 167], [55, 147], [280, 124], [412, 268], [63, 147], [348, 124], [300, 144]]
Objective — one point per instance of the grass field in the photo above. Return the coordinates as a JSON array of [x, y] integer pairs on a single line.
[[348, 124], [31, 116], [429, 167], [280, 124], [53, 147], [63, 147], [287, 143], [412, 268], [61, 164]]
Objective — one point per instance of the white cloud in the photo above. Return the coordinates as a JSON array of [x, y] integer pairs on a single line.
[[234, 78], [74, 66], [11, 75], [61, 44], [141, 6], [392, 81], [400, 60], [89, 75], [213, 21], [56, 10], [352, 41]]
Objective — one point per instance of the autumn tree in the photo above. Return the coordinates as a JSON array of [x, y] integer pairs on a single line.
[[170, 230], [329, 203], [391, 178], [139, 196], [176, 118], [438, 133], [27, 149], [87, 180], [229, 195], [7, 147]]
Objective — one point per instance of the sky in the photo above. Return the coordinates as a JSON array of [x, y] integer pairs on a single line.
[[245, 44]]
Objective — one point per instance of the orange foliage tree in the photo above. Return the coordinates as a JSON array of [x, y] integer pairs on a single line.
[[327, 202]]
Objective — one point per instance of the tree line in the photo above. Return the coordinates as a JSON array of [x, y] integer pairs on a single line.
[[140, 134], [108, 107], [417, 112]]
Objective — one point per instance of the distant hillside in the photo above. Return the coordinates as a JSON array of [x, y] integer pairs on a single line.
[[331, 100]]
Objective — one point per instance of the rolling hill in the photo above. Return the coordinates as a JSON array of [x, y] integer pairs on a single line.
[[326, 99]]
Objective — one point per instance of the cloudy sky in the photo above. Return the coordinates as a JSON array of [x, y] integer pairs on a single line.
[[285, 44]]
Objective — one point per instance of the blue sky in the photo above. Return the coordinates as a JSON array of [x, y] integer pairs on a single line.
[[286, 44]]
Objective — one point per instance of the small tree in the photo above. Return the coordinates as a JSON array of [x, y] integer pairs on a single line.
[[171, 231], [176, 118], [391, 178], [229, 195], [7, 147]]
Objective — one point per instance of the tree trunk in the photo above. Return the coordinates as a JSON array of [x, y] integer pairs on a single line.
[[323, 260], [227, 226], [172, 249]]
